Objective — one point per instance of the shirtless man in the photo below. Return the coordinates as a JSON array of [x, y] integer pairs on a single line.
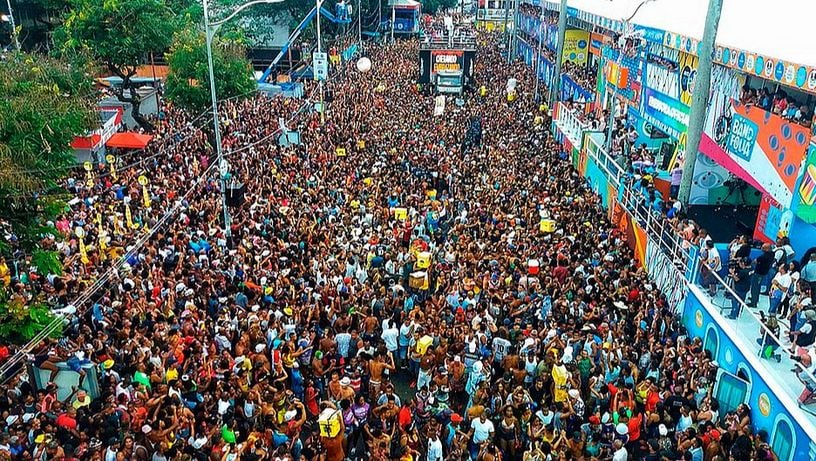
[[376, 366]]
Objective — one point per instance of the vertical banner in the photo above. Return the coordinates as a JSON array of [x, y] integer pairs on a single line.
[[439, 105], [772, 220], [662, 70], [576, 46], [688, 73], [320, 65], [804, 200]]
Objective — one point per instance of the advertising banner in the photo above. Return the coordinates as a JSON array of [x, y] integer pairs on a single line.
[[576, 46], [773, 220], [664, 112], [662, 70], [804, 199], [446, 61], [688, 72], [760, 147], [597, 42], [551, 37], [570, 90], [624, 75]]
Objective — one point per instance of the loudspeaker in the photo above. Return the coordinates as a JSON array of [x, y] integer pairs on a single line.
[[235, 194]]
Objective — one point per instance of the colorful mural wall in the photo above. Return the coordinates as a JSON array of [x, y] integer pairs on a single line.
[[760, 147], [787, 437], [804, 199]]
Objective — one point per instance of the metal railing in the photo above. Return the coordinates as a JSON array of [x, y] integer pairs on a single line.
[[666, 239], [570, 124], [765, 344]]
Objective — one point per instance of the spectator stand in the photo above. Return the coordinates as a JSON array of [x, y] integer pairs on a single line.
[[771, 351]]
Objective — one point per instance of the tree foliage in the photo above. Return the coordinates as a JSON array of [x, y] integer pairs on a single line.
[[118, 34], [188, 82], [45, 103], [22, 319]]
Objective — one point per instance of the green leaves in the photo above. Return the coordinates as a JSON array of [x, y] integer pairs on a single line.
[[21, 319], [46, 262], [45, 103], [188, 82], [118, 32]]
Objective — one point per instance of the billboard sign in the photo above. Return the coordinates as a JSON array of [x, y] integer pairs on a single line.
[[666, 113], [320, 63], [446, 61]]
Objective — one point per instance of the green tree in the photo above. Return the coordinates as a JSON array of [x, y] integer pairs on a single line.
[[45, 103], [188, 82], [119, 34]]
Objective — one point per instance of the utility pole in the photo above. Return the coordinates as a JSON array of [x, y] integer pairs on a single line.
[[555, 89], [506, 17], [319, 5], [511, 46], [360, 25], [393, 20], [538, 56], [13, 26], [699, 98], [223, 165]]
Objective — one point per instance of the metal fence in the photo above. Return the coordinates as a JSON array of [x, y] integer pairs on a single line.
[[667, 250]]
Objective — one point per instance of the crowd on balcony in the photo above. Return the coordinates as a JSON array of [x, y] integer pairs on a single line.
[[779, 103]]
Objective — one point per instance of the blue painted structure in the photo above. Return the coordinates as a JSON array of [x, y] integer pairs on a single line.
[[307, 20]]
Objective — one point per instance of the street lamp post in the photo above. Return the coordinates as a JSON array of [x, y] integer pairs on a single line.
[[10, 18], [223, 165], [613, 104]]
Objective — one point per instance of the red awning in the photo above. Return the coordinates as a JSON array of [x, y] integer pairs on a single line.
[[86, 142], [129, 140]]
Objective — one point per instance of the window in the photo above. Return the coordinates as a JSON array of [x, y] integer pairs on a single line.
[[712, 342], [782, 440], [731, 391]]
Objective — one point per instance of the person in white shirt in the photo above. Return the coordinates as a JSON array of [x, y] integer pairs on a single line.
[[779, 287], [620, 452], [434, 448], [390, 337], [481, 430]]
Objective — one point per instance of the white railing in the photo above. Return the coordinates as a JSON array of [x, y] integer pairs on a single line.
[[665, 238], [570, 124]]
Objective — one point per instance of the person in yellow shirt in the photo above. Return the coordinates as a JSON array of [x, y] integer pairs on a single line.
[[5, 273]]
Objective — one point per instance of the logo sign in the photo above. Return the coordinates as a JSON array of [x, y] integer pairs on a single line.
[[764, 404], [669, 115], [576, 46], [446, 61], [320, 64], [688, 73], [741, 137]]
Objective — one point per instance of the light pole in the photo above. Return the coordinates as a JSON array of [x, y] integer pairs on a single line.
[[360, 25], [10, 18], [538, 56], [210, 30], [613, 105], [699, 98]]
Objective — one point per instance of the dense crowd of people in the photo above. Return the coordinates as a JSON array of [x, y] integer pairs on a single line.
[[391, 289]]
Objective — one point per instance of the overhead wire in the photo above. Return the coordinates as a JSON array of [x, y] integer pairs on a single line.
[[86, 295]]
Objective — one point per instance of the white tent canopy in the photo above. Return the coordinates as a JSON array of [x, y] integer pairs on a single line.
[[779, 29]]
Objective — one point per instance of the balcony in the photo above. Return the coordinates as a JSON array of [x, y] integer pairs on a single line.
[[776, 394]]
